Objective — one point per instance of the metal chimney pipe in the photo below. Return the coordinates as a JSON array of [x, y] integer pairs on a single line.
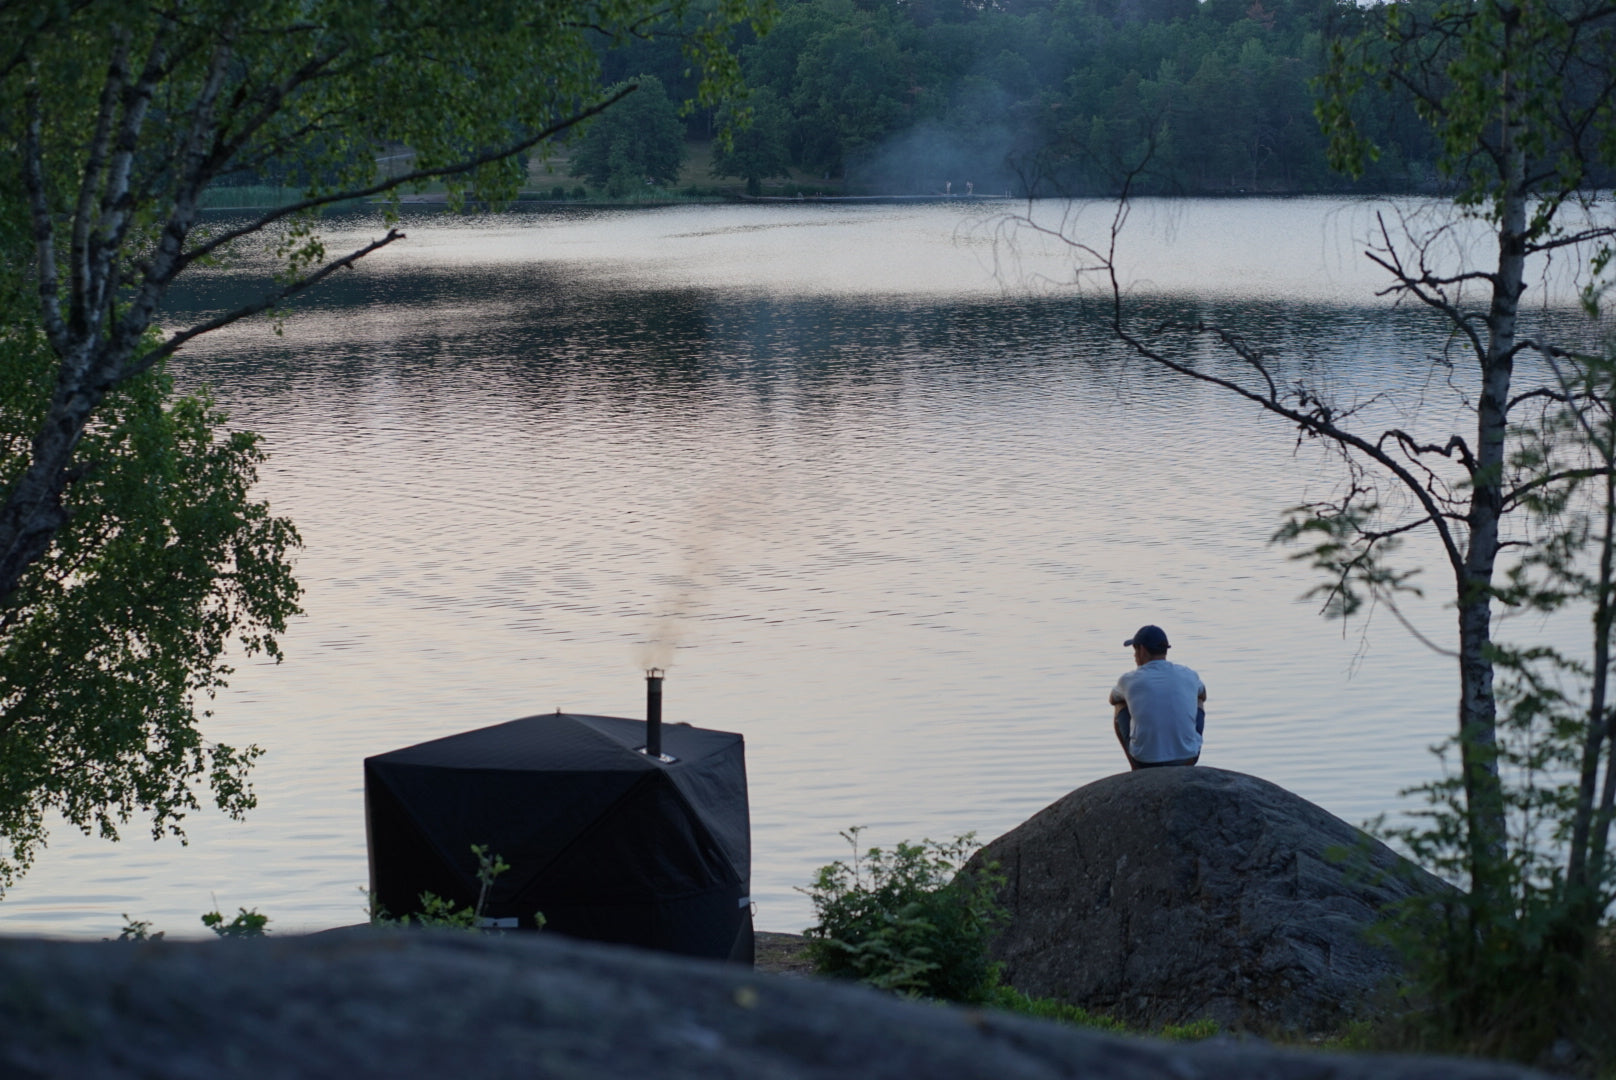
[[653, 712]]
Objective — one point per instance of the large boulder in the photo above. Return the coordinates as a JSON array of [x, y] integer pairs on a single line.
[[406, 1005], [1167, 895]]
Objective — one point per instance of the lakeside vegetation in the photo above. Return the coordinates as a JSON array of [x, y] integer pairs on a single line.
[[916, 921], [1022, 97], [1051, 97]]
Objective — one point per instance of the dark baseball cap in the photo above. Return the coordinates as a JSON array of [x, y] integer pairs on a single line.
[[1153, 639]]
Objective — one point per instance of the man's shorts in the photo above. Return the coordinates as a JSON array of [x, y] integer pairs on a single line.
[[1124, 727]]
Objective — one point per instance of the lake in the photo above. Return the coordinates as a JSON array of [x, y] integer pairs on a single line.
[[875, 484]]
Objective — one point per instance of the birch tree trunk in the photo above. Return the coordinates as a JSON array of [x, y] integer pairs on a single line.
[[1478, 708]]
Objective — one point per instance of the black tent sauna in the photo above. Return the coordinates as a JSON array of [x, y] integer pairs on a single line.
[[610, 835]]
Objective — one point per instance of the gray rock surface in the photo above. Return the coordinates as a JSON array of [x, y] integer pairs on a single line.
[[400, 1005], [1166, 895]]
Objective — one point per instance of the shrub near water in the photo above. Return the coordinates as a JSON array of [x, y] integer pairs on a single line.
[[442, 914], [908, 920]]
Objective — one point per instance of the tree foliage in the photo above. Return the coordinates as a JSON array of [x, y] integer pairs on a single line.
[[117, 632], [757, 147], [894, 96], [131, 552], [639, 143], [113, 637]]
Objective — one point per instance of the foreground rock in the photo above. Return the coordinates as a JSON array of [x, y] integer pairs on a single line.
[[1167, 895], [401, 1006]]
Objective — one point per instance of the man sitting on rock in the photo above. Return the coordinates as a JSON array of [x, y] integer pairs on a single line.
[[1159, 705]]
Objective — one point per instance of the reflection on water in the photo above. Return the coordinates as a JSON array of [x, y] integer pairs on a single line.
[[895, 534]]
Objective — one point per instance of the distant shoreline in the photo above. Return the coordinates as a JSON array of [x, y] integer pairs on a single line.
[[877, 198]]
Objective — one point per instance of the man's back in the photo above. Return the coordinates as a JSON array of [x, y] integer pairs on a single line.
[[1163, 699]]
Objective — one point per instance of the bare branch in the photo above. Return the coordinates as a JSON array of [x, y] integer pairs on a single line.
[[466, 166], [1251, 356], [1553, 356], [1313, 422], [1374, 536], [1454, 445], [1425, 287], [1538, 392], [1583, 236], [635, 29], [1383, 596], [169, 347], [1514, 495]]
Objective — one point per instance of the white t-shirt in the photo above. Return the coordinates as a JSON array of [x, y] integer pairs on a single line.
[[1162, 699]]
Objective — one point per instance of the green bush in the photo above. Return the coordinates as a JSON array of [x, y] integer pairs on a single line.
[[440, 913], [137, 930], [1515, 984], [909, 920], [248, 922]]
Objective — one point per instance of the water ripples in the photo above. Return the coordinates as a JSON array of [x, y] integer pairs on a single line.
[[894, 535]]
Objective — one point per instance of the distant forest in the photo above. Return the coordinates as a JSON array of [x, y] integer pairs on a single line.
[[1047, 96]]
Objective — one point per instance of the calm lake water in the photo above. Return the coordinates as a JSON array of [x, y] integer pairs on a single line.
[[876, 486]]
